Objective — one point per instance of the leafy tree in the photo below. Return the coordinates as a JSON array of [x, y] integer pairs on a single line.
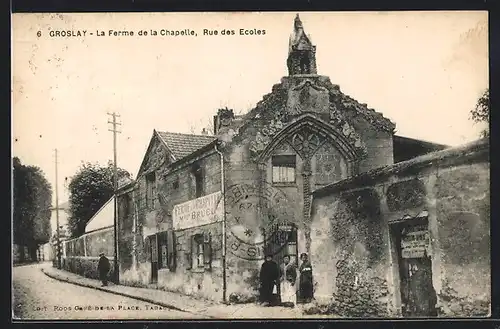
[[481, 112], [32, 203], [90, 188]]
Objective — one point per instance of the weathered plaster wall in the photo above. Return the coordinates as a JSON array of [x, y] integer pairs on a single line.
[[463, 212], [352, 222], [350, 253], [203, 282]]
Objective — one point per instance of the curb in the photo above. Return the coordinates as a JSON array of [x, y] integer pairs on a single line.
[[143, 299]]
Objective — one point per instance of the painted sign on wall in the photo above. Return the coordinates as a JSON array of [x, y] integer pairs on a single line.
[[415, 242], [201, 211]]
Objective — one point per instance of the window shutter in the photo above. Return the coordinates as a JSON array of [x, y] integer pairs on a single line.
[[171, 254], [189, 254], [207, 250], [154, 248], [147, 248]]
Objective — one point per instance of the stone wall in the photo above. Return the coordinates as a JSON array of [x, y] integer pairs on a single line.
[[463, 213], [354, 248], [82, 253], [174, 186], [348, 253]]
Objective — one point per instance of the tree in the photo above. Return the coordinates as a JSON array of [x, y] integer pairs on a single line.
[[481, 112], [90, 188], [32, 208]]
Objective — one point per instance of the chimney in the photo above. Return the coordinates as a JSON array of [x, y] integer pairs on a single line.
[[204, 132], [215, 124]]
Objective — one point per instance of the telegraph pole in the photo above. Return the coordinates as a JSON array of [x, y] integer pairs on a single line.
[[58, 241], [114, 124]]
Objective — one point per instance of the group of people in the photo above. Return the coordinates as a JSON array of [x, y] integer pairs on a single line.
[[273, 277]]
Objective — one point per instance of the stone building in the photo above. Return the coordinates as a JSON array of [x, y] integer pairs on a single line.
[[409, 239], [205, 208]]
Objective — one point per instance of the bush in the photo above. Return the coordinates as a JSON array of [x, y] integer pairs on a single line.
[[240, 298], [85, 267]]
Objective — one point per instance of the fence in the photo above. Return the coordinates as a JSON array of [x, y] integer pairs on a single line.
[[81, 255]]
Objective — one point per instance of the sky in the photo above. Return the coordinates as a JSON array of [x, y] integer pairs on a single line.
[[423, 70]]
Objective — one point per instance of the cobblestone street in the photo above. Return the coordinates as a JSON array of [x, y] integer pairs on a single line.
[[36, 297]]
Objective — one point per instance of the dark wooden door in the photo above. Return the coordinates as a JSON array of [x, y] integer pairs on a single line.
[[154, 258], [417, 292], [420, 295]]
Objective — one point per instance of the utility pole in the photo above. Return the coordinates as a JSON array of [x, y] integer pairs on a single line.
[[58, 240], [114, 124]]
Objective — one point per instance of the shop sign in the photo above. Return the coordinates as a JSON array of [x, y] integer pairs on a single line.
[[201, 211], [415, 242]]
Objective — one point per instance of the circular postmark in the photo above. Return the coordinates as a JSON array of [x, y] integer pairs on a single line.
[[257, 221]]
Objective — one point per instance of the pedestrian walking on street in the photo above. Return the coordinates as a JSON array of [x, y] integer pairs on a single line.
[[269, 276], [288, 279], [306, 279], [103, 268]]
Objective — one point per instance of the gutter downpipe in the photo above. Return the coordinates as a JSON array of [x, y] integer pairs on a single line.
[[222, 184]]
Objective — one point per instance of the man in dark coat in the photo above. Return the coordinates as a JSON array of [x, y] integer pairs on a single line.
[[269, 276], [103, 268], [306, 279]]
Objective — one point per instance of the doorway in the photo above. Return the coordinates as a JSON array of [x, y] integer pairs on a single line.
[[153, 243], [418, 297], [283, 242]]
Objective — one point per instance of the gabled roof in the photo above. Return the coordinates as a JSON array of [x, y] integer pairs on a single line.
[[104, 217], [182, 145], [405, 148]]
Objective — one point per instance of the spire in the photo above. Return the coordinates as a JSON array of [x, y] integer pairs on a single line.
[[301, 51], [298, 23]]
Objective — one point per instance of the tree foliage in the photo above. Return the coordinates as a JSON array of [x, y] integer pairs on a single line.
[[481, 112], [90, 188], [32, 207]]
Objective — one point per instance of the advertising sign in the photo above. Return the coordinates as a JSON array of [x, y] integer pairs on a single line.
[[415, 243], [201, 211]]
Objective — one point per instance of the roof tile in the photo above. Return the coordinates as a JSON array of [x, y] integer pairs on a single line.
[[183, 145]]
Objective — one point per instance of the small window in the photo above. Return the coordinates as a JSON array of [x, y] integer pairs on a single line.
[[175, 184], [150, 190], [198, 180], [198, 251], [201, 252], [200, 262], [284, 168], [166, 246]]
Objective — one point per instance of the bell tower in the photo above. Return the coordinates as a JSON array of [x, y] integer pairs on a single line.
[[301, 51]]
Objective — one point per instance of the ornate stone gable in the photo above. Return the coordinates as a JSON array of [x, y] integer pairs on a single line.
[[155, 156], [307, 96], [265, 136], [313, 94], [338, 120]]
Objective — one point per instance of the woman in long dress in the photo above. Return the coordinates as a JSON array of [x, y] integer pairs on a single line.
[[288, 279], [306, 279]]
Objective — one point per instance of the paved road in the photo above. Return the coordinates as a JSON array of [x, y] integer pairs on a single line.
[[36, 297]]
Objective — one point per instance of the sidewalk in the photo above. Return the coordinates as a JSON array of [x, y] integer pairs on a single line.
[[203, 308]]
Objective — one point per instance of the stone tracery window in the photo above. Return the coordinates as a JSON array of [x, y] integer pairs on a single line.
[[330, 165], [306, 143]]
